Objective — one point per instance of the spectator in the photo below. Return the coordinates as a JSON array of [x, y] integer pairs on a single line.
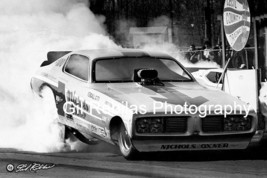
[[218, 53], [193, 56], [239, 60], [228, 52], [208, 54]]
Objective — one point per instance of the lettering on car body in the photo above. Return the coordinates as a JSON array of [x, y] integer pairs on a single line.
[[98, 130], [84, 124], [194, 146], [93, 96], [79, 103]]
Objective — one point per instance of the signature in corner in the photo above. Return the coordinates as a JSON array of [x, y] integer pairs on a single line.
[[32, 167]]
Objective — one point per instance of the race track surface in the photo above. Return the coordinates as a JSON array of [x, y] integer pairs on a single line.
[[103, 160]]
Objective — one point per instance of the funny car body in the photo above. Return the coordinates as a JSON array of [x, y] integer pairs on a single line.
[[141, 101]]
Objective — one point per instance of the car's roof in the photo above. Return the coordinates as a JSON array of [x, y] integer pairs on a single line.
[[120, 52]]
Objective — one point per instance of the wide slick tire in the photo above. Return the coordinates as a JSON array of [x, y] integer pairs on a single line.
[[125, 144], [50, 110]]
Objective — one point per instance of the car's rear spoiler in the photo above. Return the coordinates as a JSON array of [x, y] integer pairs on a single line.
[[53, 56]]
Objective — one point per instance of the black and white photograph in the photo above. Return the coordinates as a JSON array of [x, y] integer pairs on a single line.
[[133, 88]]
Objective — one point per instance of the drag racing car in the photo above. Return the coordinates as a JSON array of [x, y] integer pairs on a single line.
[[141, 101]]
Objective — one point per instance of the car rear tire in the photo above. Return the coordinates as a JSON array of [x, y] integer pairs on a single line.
[[51, 114], [125, 144]]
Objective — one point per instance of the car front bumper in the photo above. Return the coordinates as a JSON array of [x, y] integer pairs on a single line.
[[183, 143]]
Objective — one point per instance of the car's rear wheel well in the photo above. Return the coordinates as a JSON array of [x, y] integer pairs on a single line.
[[114, 127]]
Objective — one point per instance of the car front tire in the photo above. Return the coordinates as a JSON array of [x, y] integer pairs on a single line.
[[125, 144]]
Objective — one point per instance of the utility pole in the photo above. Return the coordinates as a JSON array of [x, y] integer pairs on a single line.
[[171, 16], [220, 18], [208, 22]]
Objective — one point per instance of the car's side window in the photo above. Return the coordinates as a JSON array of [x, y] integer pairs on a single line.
[[78, 66]]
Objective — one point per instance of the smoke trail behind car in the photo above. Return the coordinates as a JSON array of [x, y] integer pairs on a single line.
[[28, 30]]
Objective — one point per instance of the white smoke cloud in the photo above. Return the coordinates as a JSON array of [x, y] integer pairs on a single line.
[[122, 30], [28, 30]]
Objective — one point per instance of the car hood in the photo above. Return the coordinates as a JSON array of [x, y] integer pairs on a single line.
[[172, 93]]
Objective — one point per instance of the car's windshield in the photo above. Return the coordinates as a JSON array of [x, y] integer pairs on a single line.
[[122, 69]]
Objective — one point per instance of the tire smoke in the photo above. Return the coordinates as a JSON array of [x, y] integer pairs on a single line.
[[28, 31]]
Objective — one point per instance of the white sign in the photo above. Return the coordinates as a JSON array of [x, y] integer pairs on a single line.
[[242, 84]]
